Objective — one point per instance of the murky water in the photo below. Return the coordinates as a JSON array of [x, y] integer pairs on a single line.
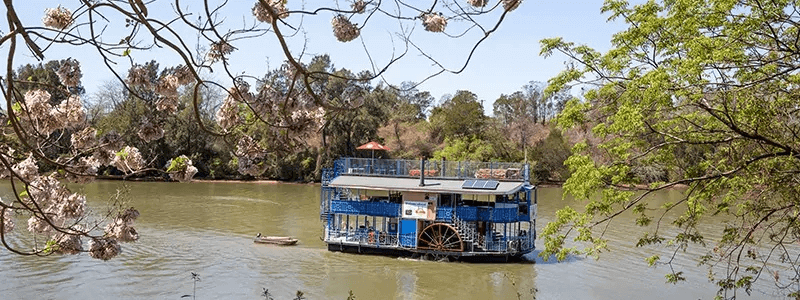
[[207, 228]]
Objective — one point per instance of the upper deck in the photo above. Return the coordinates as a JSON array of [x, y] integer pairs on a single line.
[[432, 169]]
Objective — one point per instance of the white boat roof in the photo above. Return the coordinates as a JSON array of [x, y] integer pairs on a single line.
[[432, 185]]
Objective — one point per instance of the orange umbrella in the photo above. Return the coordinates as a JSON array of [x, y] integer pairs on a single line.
[[373, 146]]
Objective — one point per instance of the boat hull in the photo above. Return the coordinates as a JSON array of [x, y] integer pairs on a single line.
[[281, 241], [473, 257]]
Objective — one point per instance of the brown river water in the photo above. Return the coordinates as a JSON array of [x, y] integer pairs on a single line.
[[208, 228]]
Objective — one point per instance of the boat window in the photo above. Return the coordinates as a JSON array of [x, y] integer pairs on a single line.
[[446, 200]]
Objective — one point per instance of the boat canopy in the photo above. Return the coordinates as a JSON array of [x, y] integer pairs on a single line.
[[445, 186]]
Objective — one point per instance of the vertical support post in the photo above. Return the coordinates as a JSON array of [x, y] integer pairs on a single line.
[[443, 169], [526, 173], [421, 172]]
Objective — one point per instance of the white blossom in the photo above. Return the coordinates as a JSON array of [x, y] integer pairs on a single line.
[[150, 131], [58, 18], [184, 75], [477, 3], [343, 29], [121, 228], [250, 156], [252, 167], [37, 104], [219, 50], [181, 169], [359, 6], [103, 156], [169, 104], [111, 141], [69, 113], [128, 160], [228, 114], [434, 22], [139, 76], [248, 147], [72, 206], [84, 171], [104, 248], [262, 14], [167, 86], [68, 243], [8, 221], [46, 191], [84, 139], [510, 5], [36, 225], [26, 169], [70, 72]]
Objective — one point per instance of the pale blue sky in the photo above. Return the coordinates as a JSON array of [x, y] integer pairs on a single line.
[[502, 65]]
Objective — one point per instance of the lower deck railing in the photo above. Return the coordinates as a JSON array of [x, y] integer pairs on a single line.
[[377, 238]]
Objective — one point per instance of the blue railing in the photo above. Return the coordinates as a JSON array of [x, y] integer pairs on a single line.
[[433, 168], [487, 214], [366, 208], [444, 214], [408, 240]]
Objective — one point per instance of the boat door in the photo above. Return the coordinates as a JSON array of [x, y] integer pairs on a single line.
[[408, 233]]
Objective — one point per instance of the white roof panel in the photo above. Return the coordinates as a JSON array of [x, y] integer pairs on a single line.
[[432, 185]]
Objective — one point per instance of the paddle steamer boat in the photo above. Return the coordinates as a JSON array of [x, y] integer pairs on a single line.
[[441, 210]]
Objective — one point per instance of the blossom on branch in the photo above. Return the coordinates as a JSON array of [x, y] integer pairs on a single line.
[[67, 243], [167, 86], [104, 248], [150, 131], [228, 114], [434, 22], [219, 50], [84, 171], [26, 169], [128, 160], [250, 156], [38, 110], [359, 6], [69, 113], [121, 228], [169, 104], [343, 29], [184, 75], [8, 222], [58, 18], [85, 139], [478, 3], [181, 169], [510, 5], [262, 13], [70, 72], [139, 77]]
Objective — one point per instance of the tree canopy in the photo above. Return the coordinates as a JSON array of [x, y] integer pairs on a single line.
[[293, 108], [702, 94]]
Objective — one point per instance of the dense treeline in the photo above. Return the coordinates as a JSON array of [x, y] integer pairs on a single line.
[[409, 121]]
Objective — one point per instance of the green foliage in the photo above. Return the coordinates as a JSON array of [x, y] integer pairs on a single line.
[[550, 155], [460, 116], [50, 247], [465, 149], [699, 93], [178, 164]]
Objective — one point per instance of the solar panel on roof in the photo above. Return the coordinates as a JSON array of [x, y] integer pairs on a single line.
[[480, 184], [468, 184]]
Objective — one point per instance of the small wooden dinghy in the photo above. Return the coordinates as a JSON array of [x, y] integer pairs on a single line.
[[275, 240]]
